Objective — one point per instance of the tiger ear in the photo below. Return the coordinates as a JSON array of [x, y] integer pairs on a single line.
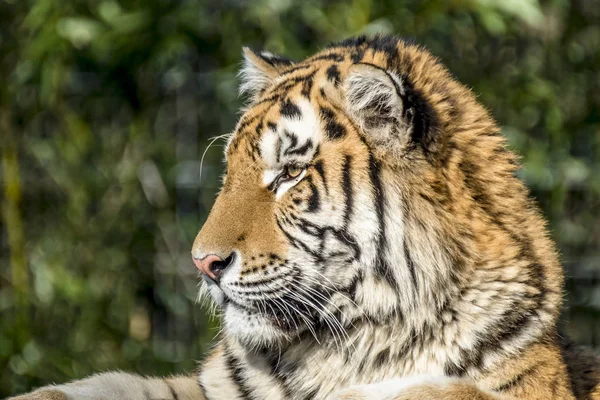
[[259, 70], [374, 97]]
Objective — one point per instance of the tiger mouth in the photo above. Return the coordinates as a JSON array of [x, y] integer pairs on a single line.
[[277, 305]]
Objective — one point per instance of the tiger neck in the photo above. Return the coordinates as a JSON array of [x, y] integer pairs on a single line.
[[370, 353]]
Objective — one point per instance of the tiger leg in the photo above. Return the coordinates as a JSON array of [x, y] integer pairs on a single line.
[[119, 385]]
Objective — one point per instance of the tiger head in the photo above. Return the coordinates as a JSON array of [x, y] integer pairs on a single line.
[[365, 184]]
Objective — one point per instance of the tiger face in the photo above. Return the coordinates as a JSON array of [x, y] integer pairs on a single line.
[[289, 211], [355, 190]]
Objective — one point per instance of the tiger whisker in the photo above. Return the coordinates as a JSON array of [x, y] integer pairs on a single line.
[[278, 301], [308, 323], [212, 140], [307, 302], [325, 311], [359, 308], [320, 295], [332, 322]]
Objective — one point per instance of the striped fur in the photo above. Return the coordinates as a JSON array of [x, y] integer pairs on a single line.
[[382, 245]]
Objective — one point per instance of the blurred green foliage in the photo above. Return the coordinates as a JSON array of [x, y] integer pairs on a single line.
[[106, 107]]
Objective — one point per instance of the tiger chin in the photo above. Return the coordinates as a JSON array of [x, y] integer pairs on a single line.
[[371, 241]]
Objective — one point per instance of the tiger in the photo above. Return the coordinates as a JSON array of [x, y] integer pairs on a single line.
[[371, 240]]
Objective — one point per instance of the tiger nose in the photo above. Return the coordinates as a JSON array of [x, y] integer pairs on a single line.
[[213, 266]]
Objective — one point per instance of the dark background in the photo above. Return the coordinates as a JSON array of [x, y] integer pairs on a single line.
[[107, 106]]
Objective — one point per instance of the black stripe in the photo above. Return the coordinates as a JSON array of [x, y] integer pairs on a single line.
[[345, 238], [273, 59], [281, 370], [202, 388], [381, 358], [236, 371], [297, 243], [330, 56], [347, 187], [333, 74], [349, 122], [317, 151], [310, 228], [333, 128], [278, 149], [410, 264], [260, 126], [270, 99], [302, 150], [312, 394], [319, 168], [172, 390], [293, 138], [307, 87], [382, 269], [352, 287], [355, 41], [516, 380], [314, 202], [287, 84], [386, 44], [294, 69], [246, 121], [342, 236], [272, 126], [424, 116], [357, 56], [290, 110]]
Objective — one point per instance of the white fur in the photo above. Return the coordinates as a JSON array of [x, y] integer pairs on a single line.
[[367, 85], [285, 186], [252, 78], [373, 93]]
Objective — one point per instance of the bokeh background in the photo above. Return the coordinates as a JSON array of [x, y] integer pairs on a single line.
[[106, 107]]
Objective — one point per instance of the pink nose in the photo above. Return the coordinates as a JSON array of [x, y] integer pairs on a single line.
[[211, 266]]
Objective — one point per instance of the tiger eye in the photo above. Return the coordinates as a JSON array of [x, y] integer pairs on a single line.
[[293, 171]]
